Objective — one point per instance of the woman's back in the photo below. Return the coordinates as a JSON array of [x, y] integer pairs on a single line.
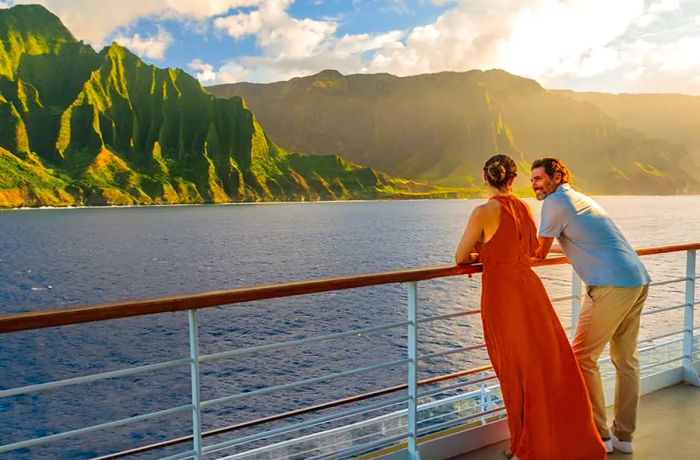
[[515, 240]]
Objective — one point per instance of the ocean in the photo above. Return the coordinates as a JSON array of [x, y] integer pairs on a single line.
[[53, 258]]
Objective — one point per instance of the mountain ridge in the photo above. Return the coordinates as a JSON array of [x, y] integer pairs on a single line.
[[86, 127], [440, 127], [673, 117]]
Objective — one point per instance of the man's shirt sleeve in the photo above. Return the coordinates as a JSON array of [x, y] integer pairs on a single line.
[[553, 218]]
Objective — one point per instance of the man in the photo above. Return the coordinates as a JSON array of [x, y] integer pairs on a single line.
[[617, 284]]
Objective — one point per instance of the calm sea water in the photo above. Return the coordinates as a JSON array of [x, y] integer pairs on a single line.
[[59, 257]]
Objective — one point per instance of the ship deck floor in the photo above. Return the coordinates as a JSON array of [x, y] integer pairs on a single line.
[[668, 428]]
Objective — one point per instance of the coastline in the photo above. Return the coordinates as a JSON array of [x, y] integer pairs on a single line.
[[308, 202]]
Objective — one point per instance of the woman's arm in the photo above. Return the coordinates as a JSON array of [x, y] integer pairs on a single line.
[[472, 233], [556, 249], [545, 246], [534, 241]]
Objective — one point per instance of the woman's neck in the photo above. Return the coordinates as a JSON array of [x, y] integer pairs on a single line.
[[493, 191]]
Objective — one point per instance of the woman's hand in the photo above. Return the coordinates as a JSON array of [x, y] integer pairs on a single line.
[[472, 258]]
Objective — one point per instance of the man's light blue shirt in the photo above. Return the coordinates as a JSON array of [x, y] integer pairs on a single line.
[[597, 249]]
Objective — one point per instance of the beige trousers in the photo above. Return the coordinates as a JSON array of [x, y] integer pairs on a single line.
[[611, 314]]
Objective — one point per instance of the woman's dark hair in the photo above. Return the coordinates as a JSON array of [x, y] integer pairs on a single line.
[[551, 167], [499, 170]]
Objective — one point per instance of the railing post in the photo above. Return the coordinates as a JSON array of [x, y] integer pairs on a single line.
[[689, 373], [485, 400], [194, 372], [413, 453], [575, 300]]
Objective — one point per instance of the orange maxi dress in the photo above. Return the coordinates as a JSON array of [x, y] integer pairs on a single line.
[[549, 414]]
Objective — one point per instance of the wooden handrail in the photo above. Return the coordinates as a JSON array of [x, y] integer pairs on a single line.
[[82, 314]]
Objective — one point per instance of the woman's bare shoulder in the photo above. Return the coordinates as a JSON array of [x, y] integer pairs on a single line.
[[491, 207], [487, 210]]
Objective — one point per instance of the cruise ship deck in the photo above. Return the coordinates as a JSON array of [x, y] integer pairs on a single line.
[[668, 428], [456, 415]]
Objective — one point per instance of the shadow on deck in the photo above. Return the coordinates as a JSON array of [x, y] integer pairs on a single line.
[[667, 428]]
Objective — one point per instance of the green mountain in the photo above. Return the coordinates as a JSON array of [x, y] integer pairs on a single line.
[[29, 30], [440, 127], [672, 117], [81, 127]]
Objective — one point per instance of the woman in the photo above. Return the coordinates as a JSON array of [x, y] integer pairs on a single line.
[[549, 414]]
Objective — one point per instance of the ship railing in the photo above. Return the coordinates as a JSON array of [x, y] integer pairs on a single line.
[[406, 433]]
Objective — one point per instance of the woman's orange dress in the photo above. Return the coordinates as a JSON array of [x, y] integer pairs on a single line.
[[549, 414]]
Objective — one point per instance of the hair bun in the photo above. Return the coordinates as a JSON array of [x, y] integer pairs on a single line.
[[499, 170], [496, 171]]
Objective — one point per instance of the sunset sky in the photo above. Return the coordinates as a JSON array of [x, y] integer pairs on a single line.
[[596, 45]]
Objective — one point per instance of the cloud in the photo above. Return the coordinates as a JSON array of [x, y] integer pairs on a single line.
[[151, 46], [203, 72], [566, 43], [539, 39], [296, 46], [94, 21], [542, 39], [228, 73], [681, 55], [345, 54], [663, 67], [398, 6], [232, 72], [279, 34], [361, 43], [297, 38], [656, 10], [597, 61], [653, 56], [240, 24], [4, 5]]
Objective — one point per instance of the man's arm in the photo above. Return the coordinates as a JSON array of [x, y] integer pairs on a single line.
[[551, 226]]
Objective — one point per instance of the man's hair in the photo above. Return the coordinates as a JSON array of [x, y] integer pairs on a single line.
[[552, 166]]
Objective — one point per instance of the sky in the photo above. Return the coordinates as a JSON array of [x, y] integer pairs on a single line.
[[639, 46]]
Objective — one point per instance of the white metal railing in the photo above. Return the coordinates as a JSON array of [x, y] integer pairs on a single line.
[[407, 423]]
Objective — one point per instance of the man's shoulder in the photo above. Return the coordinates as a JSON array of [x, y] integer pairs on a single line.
[[572, 193], [580, 201], [556, 201], [567, 197]]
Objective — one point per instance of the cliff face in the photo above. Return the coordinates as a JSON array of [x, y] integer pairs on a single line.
[[441, 127], [81, 127], [675, 118]]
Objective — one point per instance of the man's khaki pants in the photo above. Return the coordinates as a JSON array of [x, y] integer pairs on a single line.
[[611, 314]]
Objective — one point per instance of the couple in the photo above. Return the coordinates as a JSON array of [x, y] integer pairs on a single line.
[[553, 394]]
